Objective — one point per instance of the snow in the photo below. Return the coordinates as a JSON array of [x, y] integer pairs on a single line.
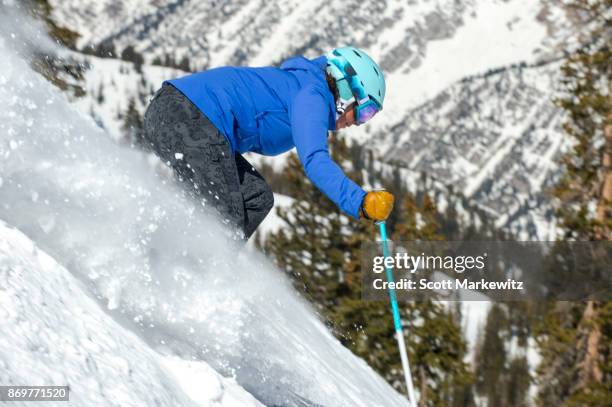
[[499, 150], [509, 27], [54, 333], [205, 386], [285, 32], [156, 263], [102, 27], [229, 31], [473, 314], [474, 318], [111, 83]]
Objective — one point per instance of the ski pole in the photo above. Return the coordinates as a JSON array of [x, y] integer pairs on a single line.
[[399, 333]]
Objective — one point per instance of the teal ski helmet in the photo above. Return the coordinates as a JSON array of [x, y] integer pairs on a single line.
[[358, 79]]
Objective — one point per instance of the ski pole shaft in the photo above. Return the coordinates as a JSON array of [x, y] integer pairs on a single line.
[[399, 333]]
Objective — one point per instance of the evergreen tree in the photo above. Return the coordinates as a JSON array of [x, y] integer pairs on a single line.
[[519, 381], [437, 350], [588, 105], [451, 228], [105, 49], [184, 65], [575, 338], [275, 179], [170, 61], [491, 357], [320, 248], [133, 125], [418, 222], [131, 55], [501, 378], [314, 252], [100, 97]]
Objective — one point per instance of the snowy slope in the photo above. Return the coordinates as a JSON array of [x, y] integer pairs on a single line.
[[111, 84], [258, 32], [424, 46], [499, 146], [53, 333], [155, 260]]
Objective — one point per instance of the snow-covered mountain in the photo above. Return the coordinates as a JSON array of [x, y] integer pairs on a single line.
[[400, 34], [498, 146], [453, 74], [153, 260]]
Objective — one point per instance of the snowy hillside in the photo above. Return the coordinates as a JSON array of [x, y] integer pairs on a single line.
[[427, 49], [499, 146], [54, 333], [111, 85], [212, 33], [155, 261], [423, 46]]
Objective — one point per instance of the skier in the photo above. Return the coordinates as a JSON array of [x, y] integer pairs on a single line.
[[200, 124]]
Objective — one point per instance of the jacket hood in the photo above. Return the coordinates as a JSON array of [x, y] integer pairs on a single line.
[[316, 66]]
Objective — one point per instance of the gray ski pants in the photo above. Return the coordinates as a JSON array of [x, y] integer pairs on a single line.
[[182, 136]]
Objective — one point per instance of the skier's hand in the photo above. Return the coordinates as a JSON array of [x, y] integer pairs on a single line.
[[377, 205]]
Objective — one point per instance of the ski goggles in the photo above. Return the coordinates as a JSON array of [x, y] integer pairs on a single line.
[[365, 110], [366, 107]]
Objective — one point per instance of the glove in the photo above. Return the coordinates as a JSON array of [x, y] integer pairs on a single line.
[[377, 205]]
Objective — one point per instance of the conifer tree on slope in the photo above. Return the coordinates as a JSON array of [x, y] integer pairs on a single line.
[[321, 249], [502, 379], [132, 125], [575, 339], [437, 347]]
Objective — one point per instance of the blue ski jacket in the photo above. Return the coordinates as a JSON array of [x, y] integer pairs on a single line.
[[270, 110]]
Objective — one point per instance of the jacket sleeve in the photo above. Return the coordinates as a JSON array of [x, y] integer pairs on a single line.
[[309, 125]]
